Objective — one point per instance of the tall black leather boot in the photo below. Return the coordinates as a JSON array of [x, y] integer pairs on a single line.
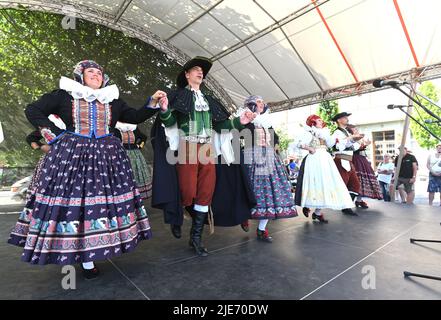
[[196, 233], [191, 213], [176, 231], [349, 211]]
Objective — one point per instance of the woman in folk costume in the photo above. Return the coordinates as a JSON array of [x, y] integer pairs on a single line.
[[86, 206], [369, 186], [133, 141], [267, 174], [319, 184]]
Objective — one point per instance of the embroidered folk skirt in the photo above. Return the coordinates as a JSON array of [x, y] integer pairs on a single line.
[[270, 183], [34, 180], [141, 173], [369, 186], [85, 206]]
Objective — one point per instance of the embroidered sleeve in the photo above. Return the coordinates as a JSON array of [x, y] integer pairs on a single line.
[[228, 124], [49, 136], [168, 118], [37, 112]]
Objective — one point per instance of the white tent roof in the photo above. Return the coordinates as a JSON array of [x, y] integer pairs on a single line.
[[292, 52]]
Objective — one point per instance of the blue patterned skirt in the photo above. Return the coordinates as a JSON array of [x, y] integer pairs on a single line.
[[270, 183], [85, 206], [434, 184]]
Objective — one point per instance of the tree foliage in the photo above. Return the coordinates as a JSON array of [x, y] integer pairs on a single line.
[[423, 138], [284, 139], [326, 110]]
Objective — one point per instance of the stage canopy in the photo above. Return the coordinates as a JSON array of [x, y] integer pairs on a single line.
[[292, 52]]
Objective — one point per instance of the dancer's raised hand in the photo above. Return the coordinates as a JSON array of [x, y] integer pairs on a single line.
[[247, 117], [158, 95]]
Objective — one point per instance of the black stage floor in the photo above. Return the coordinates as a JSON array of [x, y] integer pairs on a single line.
[[307, 260]]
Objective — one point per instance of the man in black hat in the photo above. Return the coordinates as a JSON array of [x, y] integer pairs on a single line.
[[189, 117], [344, 149]]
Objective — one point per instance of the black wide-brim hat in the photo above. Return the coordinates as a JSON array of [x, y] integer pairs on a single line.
[[340, 115], [202, 62]]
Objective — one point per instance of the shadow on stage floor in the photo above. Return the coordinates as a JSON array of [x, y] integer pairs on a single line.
[[307, 260]]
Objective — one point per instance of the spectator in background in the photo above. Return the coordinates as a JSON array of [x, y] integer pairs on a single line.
[[407, 177], [434, 166], [385, 171], [291, 166]]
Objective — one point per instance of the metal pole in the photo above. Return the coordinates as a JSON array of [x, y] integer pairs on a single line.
[[411, 274], [412, 240], [403, 140]]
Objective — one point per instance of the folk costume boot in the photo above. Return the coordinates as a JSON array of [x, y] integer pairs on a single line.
[[320, 217], [197, 229], [264, 236], [176, 231], [361, 204], [90, 270], [306, 211]]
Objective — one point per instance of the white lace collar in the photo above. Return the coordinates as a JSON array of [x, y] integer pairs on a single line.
[[200, 103], [78, 91]]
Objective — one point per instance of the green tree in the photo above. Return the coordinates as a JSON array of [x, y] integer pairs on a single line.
[[326, 110], [423, 138], [284, 139]]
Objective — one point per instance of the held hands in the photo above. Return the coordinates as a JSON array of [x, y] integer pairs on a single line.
[[163, 103], [311, 150], [247, 117], [158, 95]]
